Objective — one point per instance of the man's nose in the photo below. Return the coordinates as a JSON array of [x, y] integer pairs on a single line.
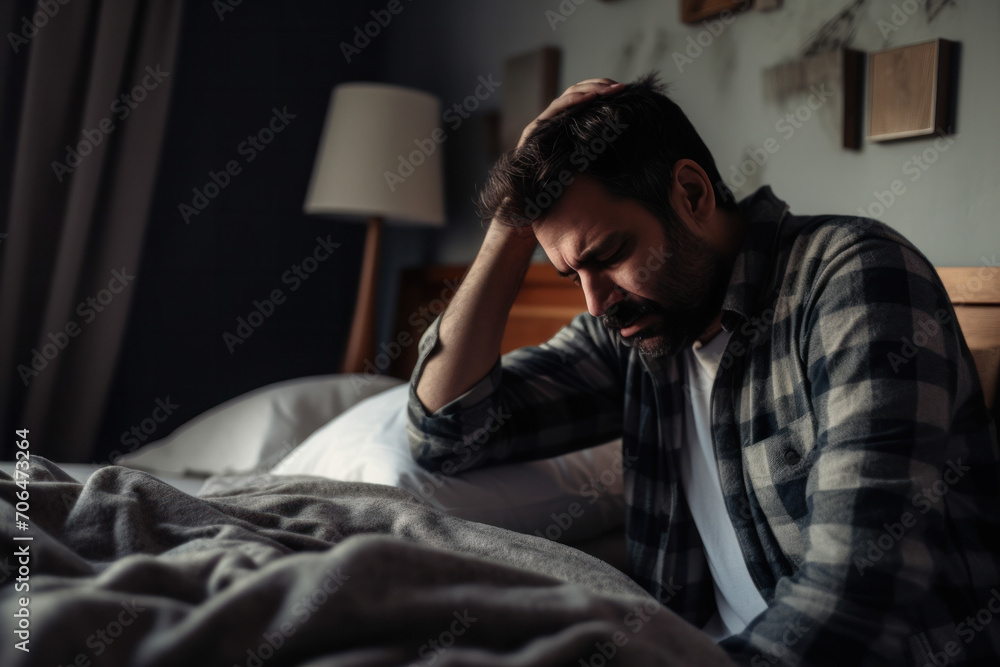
[[601, 293]]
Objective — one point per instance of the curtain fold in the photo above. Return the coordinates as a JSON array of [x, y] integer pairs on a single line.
[[92, 121]]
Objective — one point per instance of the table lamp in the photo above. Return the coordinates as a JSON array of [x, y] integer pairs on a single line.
[[379, 160]]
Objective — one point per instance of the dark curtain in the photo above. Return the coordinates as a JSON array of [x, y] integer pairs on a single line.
[[86, 88], [202, 274]]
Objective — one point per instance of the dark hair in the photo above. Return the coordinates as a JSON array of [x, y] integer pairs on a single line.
[[628, 141]]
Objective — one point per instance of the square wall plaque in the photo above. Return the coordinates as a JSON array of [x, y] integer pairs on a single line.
[[910, 90]]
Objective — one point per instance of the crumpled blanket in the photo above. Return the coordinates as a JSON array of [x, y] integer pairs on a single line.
[[268, 570]]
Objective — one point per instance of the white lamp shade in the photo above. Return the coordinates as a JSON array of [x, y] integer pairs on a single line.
[[380, 154]]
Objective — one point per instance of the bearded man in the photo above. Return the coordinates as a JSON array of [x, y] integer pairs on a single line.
[[759, 367]]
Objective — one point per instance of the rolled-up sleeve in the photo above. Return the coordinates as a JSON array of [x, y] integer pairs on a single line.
[[534, 403]]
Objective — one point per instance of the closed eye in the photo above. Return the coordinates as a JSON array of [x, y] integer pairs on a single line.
[[607, 262], [616, 257], [591, 258]]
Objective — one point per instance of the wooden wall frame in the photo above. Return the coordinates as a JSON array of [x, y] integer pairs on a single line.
[[910, 90], [694, 11]]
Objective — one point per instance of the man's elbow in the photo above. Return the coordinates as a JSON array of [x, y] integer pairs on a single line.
[[420, 450], [437, 454]]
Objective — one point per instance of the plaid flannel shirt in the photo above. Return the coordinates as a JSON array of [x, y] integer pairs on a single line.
[[857, 458]]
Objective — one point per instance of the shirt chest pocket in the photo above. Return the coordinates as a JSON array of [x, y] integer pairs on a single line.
[[776, 470]]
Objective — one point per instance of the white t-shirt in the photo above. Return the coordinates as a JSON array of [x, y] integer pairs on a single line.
[[737, 598]]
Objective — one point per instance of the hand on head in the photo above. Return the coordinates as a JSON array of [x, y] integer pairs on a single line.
[[575, 94]]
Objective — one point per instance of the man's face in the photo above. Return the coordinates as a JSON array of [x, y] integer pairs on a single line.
[[660, 292]]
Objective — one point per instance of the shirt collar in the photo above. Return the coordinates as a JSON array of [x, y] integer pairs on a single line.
[[762, 214]]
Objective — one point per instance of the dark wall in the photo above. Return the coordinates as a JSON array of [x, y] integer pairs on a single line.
[[198, 276]]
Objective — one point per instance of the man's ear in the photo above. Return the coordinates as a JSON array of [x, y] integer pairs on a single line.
[[692, 195]]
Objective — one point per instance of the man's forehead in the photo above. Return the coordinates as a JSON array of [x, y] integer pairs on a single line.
[[578, 215], [569, 235]]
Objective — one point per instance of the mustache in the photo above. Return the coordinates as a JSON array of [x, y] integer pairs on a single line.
[[624, 313]]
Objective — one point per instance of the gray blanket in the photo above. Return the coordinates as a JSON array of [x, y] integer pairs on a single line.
[[127, 570]]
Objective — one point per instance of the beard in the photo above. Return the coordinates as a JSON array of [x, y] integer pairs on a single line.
[[687, 296]]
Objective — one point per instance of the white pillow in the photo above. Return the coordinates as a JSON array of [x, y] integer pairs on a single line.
[[256, 429], [567, 498]]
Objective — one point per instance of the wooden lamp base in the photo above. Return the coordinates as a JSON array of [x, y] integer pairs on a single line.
[[361, 342]]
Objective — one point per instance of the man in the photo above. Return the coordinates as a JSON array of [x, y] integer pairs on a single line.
[[817, 486]]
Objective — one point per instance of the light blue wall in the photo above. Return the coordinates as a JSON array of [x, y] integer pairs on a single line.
[[950, 211]]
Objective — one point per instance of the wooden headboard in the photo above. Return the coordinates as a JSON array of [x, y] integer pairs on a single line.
[[975, 293], [547, 302]]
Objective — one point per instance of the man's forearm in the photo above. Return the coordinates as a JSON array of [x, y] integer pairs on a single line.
[[473, 323]]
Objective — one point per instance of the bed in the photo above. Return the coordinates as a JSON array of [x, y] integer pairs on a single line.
[[287, 527]]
